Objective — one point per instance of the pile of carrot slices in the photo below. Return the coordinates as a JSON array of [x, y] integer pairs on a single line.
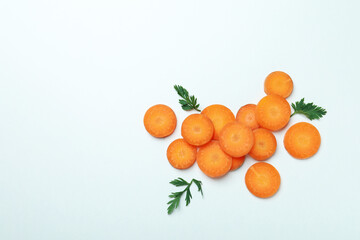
[[219, 141]]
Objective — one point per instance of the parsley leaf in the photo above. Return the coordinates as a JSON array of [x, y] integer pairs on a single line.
[[176, 196], [310, 110], [198, 184], [179, 182], [187, 102]]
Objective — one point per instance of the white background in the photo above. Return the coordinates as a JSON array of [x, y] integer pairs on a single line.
[[76, 78]]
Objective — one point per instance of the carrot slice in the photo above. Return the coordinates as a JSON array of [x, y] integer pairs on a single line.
[[180, 154], [302, 140], [262, 180], [160, 121], [273, 112], [197, 129], [220, 116], [236, 139], [212, 160], [264, 146], [237, 162], [278, 83], [246, 116]]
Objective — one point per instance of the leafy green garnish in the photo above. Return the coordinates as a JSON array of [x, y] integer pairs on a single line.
[[188, 102], [174, 203], [310, 110]]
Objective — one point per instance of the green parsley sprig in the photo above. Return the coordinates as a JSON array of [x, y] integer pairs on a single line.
[[310, 110], [176, 196], [187, 102]]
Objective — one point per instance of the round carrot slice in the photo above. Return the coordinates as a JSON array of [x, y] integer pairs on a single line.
[[236, 139], [246, 116], [160, 121], [302, 140], [264, 146], [237, 162], [220, 116], [197, 129], [212, 160], [262, 180], [180, 154], [278, 83], [273, 112]]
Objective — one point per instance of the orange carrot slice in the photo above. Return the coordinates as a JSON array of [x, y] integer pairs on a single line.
[[246, 116], [236, 139], [278, 83], [264, 146], [220, 116], [212, 160], [180, 154], [197, 129], [273, 112], [262, 180], [237, 162], [160, 121], [302, 140]]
